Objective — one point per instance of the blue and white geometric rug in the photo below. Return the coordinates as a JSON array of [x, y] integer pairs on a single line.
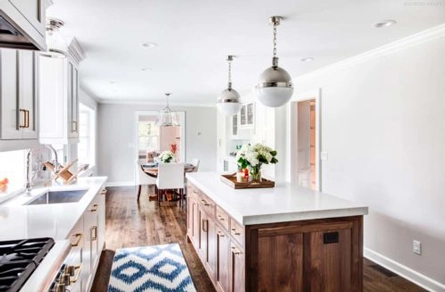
[[150, 268]]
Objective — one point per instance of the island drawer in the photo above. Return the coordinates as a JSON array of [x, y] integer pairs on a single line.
[[237, 231], [222, 217], [206, 204]]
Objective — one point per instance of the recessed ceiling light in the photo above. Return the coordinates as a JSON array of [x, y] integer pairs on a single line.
[[385, 23], [113, 82], [307, 59], [149, 45], [146, 69]]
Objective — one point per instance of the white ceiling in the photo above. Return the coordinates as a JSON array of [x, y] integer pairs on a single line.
[[194, 38]]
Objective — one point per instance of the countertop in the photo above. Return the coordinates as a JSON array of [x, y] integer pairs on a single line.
[[18, 221], [283, 203]]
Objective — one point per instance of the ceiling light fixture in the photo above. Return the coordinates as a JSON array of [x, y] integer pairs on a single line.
[[308, 59], [229, 100], [57, 46], [145, 69], [275, 85], [167, 117], [385, 23], [149, 45]]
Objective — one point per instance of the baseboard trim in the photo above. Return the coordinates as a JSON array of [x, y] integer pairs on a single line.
[[120, 184], [405, 272]]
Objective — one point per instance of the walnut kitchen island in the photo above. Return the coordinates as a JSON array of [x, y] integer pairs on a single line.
[[286, 238]]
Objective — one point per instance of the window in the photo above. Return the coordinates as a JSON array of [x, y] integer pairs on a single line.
[[87, 134], [148, 133], [12, 167]]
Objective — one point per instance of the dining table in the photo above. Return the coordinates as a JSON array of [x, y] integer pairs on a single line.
[[152, 169]]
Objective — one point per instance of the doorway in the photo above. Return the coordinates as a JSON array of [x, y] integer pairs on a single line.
[[305, 168], [152, 138]]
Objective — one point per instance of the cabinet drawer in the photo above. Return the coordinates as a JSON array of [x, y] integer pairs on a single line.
[[237, 231], [206, 204], [222, 218]]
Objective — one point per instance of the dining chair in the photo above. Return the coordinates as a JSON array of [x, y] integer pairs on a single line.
[[141, 177], [195, 163], [170, 177]]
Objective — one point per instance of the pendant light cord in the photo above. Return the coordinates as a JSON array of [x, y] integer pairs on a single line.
[[229, 60], [275, 40]]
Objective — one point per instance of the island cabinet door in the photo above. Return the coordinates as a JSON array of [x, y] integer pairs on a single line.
[[207, 245], [223, 254], [237, 269]]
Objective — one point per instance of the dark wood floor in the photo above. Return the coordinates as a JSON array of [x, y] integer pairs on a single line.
[[130, 224]]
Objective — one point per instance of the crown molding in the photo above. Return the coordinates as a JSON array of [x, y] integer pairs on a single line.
[[396, 46], [76, 51], [146, 102]]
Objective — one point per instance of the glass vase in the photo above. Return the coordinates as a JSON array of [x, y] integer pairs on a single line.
[[255, 173]]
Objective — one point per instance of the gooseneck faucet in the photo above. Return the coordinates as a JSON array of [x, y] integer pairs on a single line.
[[28, 185]]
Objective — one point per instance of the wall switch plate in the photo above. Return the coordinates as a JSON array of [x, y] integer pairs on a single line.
[[324, 155], [417, 247]]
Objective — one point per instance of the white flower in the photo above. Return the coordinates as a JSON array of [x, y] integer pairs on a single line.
[[255, 156]]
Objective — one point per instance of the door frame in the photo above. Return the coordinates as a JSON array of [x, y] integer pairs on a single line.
[[292, 133], [181, 115]]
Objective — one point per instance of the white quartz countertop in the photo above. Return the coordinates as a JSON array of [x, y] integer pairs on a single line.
[[285, 202], [18, 221]]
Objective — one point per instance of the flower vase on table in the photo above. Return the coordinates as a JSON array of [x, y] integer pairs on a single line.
[[253, 157], [255, 173]]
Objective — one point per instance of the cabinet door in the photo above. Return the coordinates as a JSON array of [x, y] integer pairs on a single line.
[[76, 255], [237, 270], [222, 260], [28, 93], [203, 235], [73, 101], [195, 222], [101, 214], [11, 118], [33, 11], [90, 243]]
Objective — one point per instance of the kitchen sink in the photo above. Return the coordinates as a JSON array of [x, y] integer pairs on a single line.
[[58, 197]]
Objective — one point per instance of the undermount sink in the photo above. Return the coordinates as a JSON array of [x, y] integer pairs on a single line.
[[58, 197]]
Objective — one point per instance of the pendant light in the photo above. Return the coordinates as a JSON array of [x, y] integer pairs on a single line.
[[166, 117], [56, 43], [275, 85], [229, 100]]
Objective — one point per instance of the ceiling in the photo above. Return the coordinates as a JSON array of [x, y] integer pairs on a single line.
[[194, 38]]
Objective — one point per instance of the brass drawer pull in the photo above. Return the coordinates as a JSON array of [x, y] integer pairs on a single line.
[[220, 234], [234, 232], [24, 119], [74, 126], [93, 233], [103, 192], [95, 207], [73, 272], [204, 202], [79, 238], [235, 251], [220, 218]]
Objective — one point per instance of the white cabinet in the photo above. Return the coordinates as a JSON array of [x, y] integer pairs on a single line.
[[59, 110], [19, 99], [76, 255], [29, 18]]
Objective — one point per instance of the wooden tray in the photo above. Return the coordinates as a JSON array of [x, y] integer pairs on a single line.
[[230, 180]]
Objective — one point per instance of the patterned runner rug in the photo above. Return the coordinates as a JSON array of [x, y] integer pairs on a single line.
[[150, 268]]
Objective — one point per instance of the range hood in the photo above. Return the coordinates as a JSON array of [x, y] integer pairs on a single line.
[[11, 36]]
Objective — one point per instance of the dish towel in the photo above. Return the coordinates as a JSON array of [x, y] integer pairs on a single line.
[[150, 268]]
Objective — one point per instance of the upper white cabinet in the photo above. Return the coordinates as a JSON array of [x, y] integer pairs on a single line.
[[19, 99], [26, 20], [59, 103]]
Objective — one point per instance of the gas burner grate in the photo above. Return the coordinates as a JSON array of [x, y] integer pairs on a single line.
[[19, 259]]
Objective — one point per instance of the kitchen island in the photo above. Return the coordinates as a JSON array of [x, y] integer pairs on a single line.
[[286, 238]]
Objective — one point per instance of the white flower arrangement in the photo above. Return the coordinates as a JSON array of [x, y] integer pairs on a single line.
[[254, 156], [166, 157]]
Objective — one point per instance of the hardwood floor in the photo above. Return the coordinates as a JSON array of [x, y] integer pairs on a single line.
[[130, 224]]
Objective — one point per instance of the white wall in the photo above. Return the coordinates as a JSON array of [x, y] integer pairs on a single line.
[[117, 130], [383, 126]]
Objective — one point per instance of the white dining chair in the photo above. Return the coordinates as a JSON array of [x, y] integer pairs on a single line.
[[170, 177], [141, 177], [195, 163]]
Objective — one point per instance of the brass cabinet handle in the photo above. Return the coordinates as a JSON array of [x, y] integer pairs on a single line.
[[205, 225], [103, 192], [24, 119], [27, 118], [204, 202], [74, 126], [93, 230], [95, 207], [220, 234], [73, 272], [79, 238], [220, 218], [235, 232]]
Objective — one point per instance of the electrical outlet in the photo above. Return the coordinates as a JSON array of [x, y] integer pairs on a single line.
[[417, 247]]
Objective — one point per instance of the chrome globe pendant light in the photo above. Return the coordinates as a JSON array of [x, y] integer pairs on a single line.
[[167, 117], [229, 100], [275, 85]]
